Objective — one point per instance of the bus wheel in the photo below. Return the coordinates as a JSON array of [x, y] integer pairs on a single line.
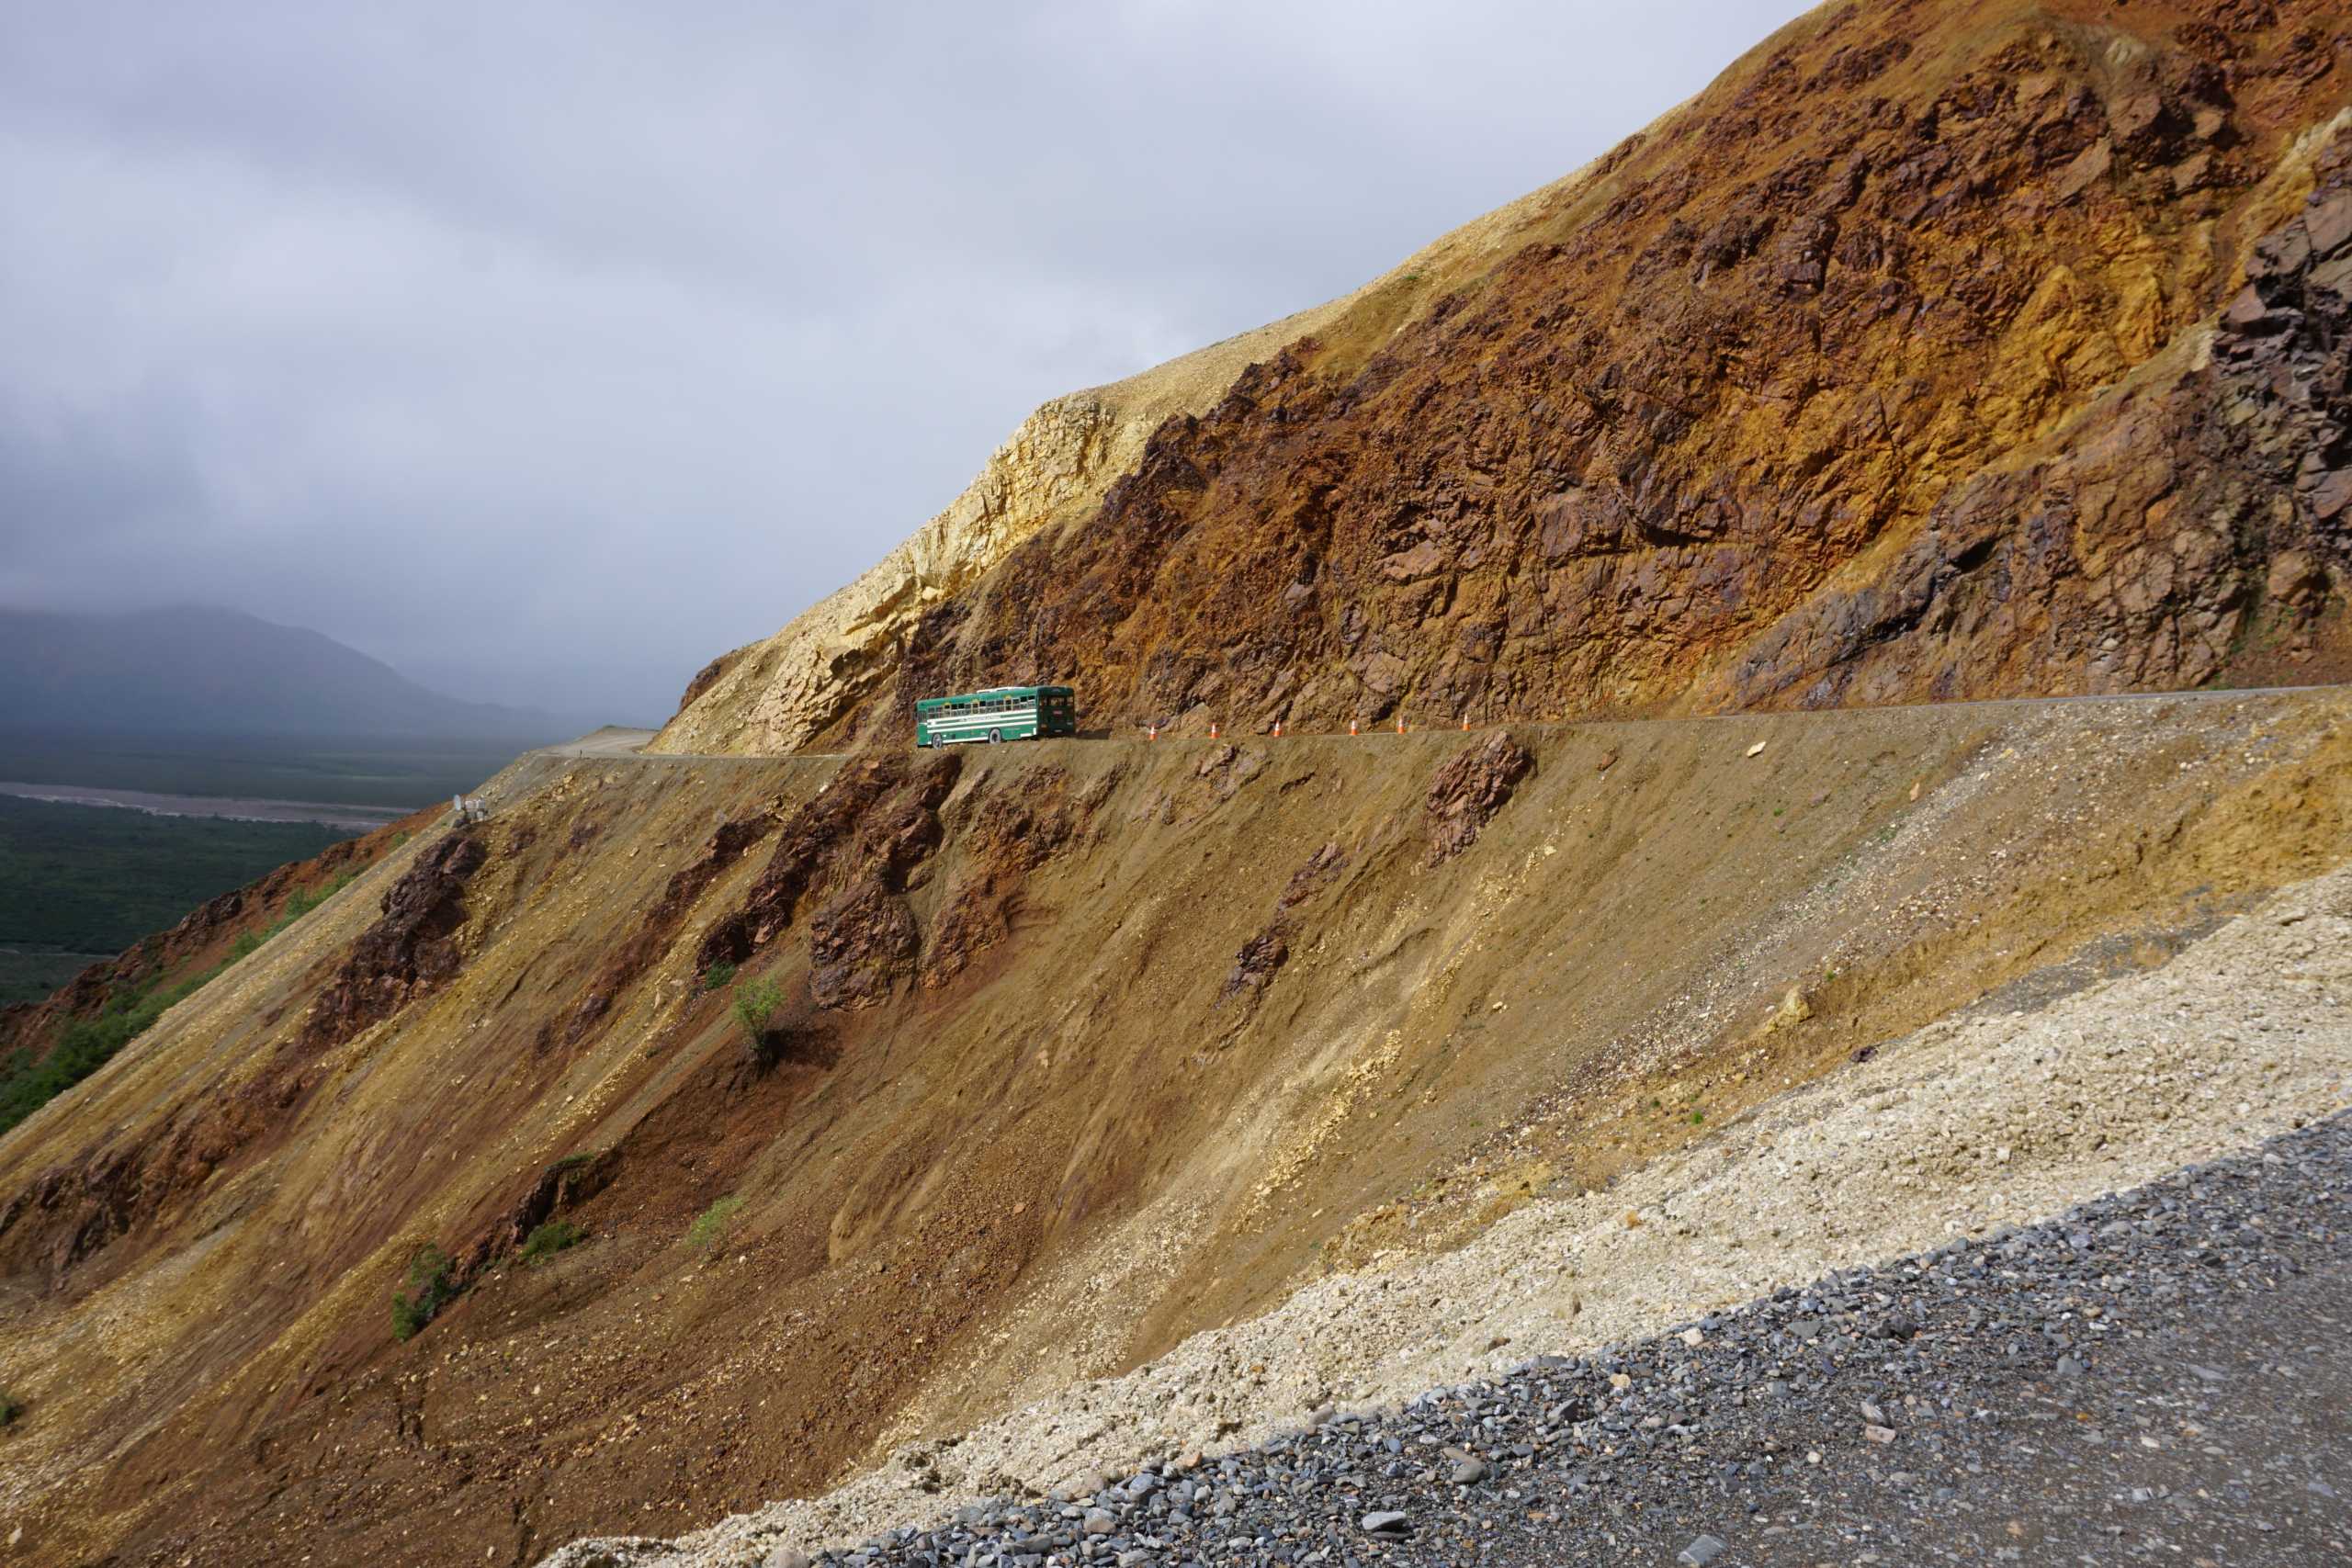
[[995, 736]]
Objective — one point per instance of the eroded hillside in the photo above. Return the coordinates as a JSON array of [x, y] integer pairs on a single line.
[[1085, 1048], [1916, 359], [1938, 350]]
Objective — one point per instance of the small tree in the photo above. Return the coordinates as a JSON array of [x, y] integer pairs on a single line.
[[711, 1224], [755, 1003]]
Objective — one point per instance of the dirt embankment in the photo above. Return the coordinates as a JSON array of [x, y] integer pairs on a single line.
[[1009, 1127], [1960, 1129]]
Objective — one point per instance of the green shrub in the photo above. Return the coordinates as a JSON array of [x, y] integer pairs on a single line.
[[545, 1241], [431, 1287], [297, 903], [10, 1408], [711, 1224], [86, 1044], [755, 1003], [717, 977]]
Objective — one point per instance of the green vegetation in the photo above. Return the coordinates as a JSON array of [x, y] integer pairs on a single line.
[[755, 1003], [86, 1044], [10, 1408], [719, 977], [545, 1241], [711, 1224], [300, 903], [29, 975], [332, 770], [431, 1287], [95, 879], [89, 1044]]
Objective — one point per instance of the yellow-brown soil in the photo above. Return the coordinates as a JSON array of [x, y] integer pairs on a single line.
[[1048, 1162]]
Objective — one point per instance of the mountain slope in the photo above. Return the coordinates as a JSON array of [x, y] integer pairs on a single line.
[[198, 670], [1084, 1049], [466, 1217], [1895, 366]]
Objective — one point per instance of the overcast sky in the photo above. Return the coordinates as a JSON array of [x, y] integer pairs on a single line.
[[547, 350]]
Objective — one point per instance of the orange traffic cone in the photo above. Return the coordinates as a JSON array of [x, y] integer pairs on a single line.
[[1278, 729], [1401, 724], [1152, 732], [1351, 727], [1211, 729], [1466, 724]]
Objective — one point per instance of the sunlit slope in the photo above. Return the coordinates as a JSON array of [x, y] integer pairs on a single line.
[[1082, 1048]]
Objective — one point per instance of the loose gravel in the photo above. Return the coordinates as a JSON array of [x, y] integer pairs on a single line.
[[1994, 1391], [1975, 1124]]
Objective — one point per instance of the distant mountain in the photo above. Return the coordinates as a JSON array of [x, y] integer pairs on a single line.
[[195, 671]]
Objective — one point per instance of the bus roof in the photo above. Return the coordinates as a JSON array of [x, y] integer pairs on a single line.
[[926, 703]]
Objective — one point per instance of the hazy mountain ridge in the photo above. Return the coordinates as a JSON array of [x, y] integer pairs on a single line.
[[192, 670]]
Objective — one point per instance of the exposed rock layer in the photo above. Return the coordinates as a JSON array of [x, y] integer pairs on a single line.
[[411, 951], [1878, 373]]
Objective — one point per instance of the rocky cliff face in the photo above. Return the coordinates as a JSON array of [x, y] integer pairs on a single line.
[[1885, 370], [773, 696]]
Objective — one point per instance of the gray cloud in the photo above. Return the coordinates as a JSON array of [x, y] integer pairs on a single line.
[[546, 350]]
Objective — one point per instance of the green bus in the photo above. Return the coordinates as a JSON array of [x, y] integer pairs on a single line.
[[1000, 713]]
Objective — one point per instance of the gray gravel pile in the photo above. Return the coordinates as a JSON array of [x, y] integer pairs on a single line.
[[1960, 1404]]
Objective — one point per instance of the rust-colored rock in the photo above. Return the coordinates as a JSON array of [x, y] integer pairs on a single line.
[[1322, 868], [1869, 376], [1018, 826], [879, 813], [727, 845], [861, 946], [1896, 365], [1469, 790], [1254, 966], [562, 1185], [411, 951]]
